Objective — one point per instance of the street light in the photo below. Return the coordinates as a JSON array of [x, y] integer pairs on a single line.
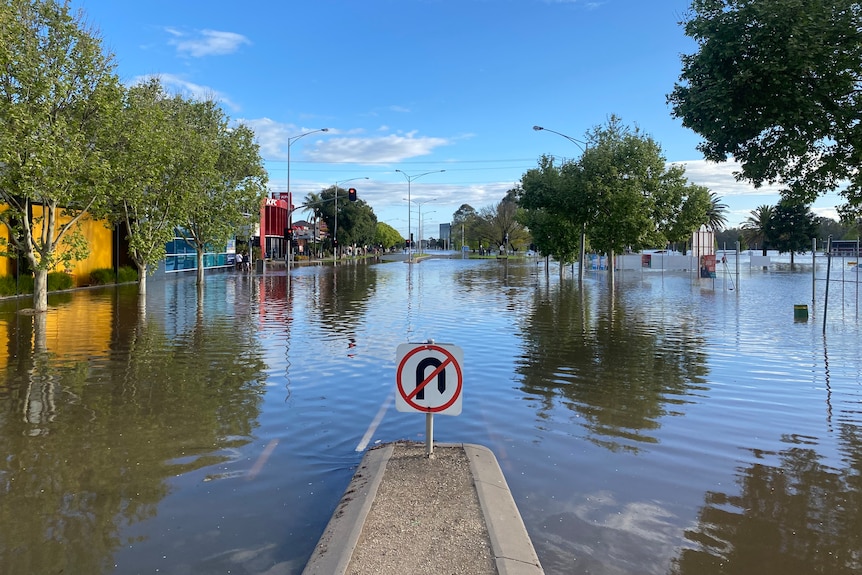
[[335, 231], [583, 146], [409, 226], [290, 142], [418, 203]]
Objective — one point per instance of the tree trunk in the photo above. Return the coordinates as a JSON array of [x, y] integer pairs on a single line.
[[142, 280], [40, 290], [611, 267], [200, 270]]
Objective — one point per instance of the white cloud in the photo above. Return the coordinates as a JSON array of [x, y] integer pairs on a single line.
[[742, 197], [206, 42], [328, 147], [175, 84], [387, 149]]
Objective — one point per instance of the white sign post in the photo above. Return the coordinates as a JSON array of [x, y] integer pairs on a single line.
[[429, 379]]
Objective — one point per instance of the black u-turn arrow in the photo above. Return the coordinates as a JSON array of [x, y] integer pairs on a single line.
[[420, 375]]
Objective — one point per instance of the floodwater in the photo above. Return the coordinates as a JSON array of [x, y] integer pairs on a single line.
[[672, 425]]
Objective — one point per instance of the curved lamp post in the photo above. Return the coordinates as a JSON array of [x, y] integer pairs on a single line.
[[583, 146], [335, 231], [290, 142], [409, 226]]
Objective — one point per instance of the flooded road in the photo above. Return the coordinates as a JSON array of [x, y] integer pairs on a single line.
[[671, 425]]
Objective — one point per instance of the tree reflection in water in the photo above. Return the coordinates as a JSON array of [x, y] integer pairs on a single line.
[[613, 367], [97, 457], [795, 517]]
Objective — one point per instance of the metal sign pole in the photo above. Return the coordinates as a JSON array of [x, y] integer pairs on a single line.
[[429, 434]]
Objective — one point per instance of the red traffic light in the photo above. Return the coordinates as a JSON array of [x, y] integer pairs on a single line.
[[351, 194]]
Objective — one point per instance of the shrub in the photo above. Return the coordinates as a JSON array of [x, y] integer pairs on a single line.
[[102, 276], [107, 276], [10, 286], [59, 281], [128, 275]]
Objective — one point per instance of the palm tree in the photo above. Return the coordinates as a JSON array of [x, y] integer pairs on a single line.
[[716, 220], [754, 227]]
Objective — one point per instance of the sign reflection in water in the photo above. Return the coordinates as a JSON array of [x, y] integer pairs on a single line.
[[672, 426]]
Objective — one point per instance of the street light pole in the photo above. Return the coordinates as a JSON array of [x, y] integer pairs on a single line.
[[409, 225], [290, 142], [583, 146], [335, 231], [420, 219], [422, 225]]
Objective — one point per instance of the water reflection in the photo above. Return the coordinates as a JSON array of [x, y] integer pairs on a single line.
[[614, 367], [141, 443], [793, 516], [94, 429]]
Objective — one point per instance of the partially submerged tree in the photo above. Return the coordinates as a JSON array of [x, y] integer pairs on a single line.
[[230, 182], [628, 196], [545, 213], [58, 91], [150, 161], [791, 228]]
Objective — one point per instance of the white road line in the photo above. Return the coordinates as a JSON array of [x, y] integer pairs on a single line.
[[369, 433], [261, 460]]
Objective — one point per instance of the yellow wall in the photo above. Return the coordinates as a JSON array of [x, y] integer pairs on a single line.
[[5, 263], [98, 239]]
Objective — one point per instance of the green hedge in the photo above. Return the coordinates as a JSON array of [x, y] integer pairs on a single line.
[[106, 276], [58, 281]]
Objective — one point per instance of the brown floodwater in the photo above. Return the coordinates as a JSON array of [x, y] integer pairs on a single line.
[[672, 425]]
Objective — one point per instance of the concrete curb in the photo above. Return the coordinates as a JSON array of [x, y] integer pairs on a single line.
[[513, 551], [333, 551]]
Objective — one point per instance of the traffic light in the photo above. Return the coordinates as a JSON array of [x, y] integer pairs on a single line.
[[351, 194], [288, 234]]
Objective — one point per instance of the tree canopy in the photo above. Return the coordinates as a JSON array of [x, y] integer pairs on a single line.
[[775, 85], [621, 192], [387, 236], [58, 93]]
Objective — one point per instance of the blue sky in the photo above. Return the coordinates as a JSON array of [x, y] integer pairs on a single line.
[[421, 86]]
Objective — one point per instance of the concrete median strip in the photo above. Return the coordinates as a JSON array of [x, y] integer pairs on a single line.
[[404, 513]]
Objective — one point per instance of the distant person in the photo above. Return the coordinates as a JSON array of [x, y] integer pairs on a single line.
[[239, 261]]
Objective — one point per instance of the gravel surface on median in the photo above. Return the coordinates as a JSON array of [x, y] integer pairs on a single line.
[[426, 518]]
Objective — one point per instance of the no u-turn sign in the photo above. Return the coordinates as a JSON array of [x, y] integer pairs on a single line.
[[429, 378]]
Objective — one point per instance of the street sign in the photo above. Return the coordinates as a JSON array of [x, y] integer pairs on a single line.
[[429, 378]]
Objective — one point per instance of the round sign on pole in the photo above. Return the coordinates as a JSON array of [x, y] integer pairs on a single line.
[[429, 378]]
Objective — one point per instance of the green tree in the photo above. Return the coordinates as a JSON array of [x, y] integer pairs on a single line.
[[716, 218], [775, 85], [545, 210], [727, 238], [500, 225], [230, 181], [791, 228], [465, 222], [827, 227], [755, 227], [149, 161], [387, 236], [693, 212], [357, 223], [58, 91], [628, 196]]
